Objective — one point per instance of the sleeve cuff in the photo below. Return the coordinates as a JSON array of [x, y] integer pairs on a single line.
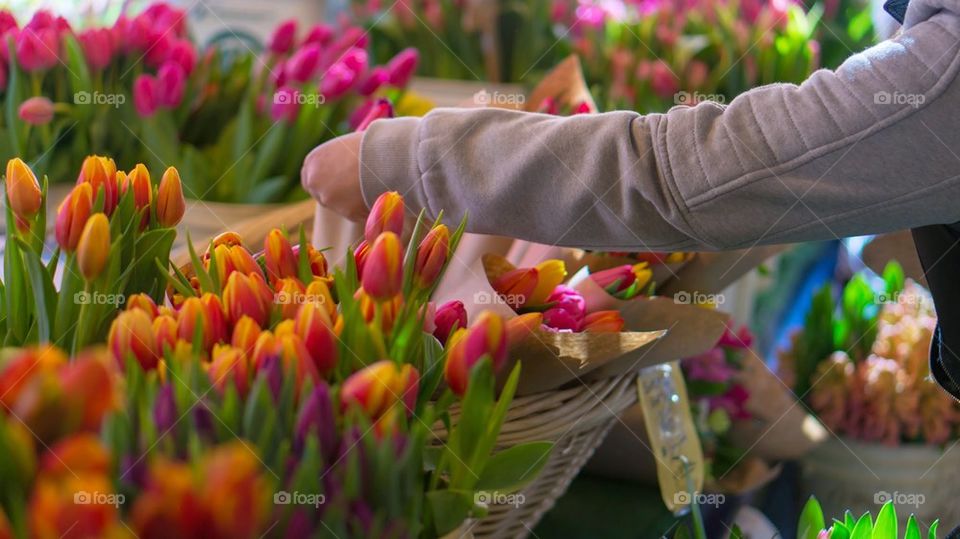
[[388, 162]]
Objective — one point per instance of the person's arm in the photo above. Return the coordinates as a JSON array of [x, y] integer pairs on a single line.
[[872, 147]]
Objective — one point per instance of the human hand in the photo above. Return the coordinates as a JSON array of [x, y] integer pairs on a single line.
[[331, 174]]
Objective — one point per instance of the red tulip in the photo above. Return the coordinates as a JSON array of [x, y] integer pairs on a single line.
[[516, 286], [279, 257], [313, 325], [247, 295], [432, 255], [383, 271], [386, 215], [450, 317], [132, 334], [485, 338], [376, 388]]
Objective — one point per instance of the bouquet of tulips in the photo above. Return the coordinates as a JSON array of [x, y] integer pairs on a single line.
[[70, 93], [113, 233], [861, 363]]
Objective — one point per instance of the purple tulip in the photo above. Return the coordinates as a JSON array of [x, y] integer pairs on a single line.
[[145, 95], [164, 409], [272, 370], [316, 417], [402, 66], [283, 37], [450, 315], [302, 66]]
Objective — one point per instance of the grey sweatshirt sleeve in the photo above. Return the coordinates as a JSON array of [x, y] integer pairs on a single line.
[[868, 148]]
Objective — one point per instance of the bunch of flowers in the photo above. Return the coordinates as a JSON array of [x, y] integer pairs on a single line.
[[717, 399], [881, 390], [75, 91], [113, 233]]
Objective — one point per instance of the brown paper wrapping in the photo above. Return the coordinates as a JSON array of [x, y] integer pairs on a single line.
[[711, 273], [897, 246]]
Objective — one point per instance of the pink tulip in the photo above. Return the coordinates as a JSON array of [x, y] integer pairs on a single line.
[[337, 81], [38, 50], [663, 81], [302, 66], [357, 60], [697, 73], [37, 110], [7, 22], [46, 20], [320, 34], [352, 37], [145, 98], [450, 316], [402, 66], [166, 19], [283, 37], [380, 109], [97, 44], [376, 77], [171, 82], [285, 106], [182, 52], [560, 319], [159, 49]]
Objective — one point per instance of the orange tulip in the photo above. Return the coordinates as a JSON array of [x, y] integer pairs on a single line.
[[165, 331], [520, 327], [602, 322], [101, 173], [231, 258], [206, 311], [72, 214], [386, 215], [319, 292], [264, 349], [227, 364], [485, 338], [517, 286], [318, 262], [144, 303], [383, 271], [139, 181], [94, 246], [290, 294], [245, 335], [170, 203], [313, 326], [24, 364], [432, 254], [550, 273], [23, 189], [294, 355], [89, 390], [131, 333], [247, 295], [377, 387], [279, 257]]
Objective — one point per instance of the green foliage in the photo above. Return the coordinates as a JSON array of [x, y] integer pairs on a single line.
[[811, 523]]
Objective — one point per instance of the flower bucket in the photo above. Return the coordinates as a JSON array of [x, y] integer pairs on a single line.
[[849, 474]]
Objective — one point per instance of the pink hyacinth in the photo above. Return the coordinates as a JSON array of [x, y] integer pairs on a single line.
[[145, 95], [402, 66]]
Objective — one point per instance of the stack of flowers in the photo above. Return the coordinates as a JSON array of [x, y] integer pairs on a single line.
[[869, 377], [248, 394]]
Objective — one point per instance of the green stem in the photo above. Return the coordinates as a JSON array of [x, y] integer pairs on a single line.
[[78, 337]]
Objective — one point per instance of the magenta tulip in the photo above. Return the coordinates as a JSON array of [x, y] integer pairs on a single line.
[[97, 44], [38, 50], [183, 53], [145, 95], [381, 109], [285, 106], [450, 316], [283, 37], [337, 81], [402, 66], [302, 66], [171, 82], [320, 34], [376, 77]]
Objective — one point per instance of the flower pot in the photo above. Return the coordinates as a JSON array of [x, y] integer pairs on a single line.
[[848, 474]]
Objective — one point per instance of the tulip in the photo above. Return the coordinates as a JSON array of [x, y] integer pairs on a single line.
[[550, 273], [165, 332], [602, 322], [139, 181], [516, 286], [337, 81], [386, 215], [88, 390], [485, 338], [23, 190], [227, 364], [521, 327], [294, 355], [568, 300], [318, 292], [376, 77], [383, 270], [402, 66], [264, 349], [377, 387], [93, 246], [560, 319], [143, 302], [360, 255], [279, 257], [381, 109], [230, 259], [206, 311], [289, 295], [101, 173], [131, 333], [37, 110], [145, 95], [247, 295], [17, 371], [316, 417], [432, 255], [170, 85], [37, 50], [245, 335], [98, 47], [320, 34], [318, 262], [313, 325], [283, 37], [170, 203], [302, 66], [450, 316], [182, 53]]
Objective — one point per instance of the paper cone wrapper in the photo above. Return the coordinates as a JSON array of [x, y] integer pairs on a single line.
[[662, 273], [464, 267], [711, 273]]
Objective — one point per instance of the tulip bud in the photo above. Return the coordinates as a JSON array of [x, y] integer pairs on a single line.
[[283, 37], [432, 255], [318, 292], [550, 273], [279, 257], [313, 326], [376, 77], [170, 203], [402, 66], [171, 83], [381, 109], [561, 320], [132, 333], [145, 99], [450, 317], [144, 303], [602, 322], [516, 286], [337, 81], [520, 327], [302, 66], [23, 189], [377, 387], [316, 417], [89, 389], [37, 49], [485, 338], [37, 110], [101, 173], [228, 363], [383, 271], [93, 246], [360, 255], [294, 355], [321, 34], [318, 262], [247, 295], [72, 215], [289, 295], [386, 215], [206, 311], [165, 331], [245, 335]]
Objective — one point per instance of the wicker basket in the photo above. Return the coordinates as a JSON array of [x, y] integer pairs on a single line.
[[576, 420]]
